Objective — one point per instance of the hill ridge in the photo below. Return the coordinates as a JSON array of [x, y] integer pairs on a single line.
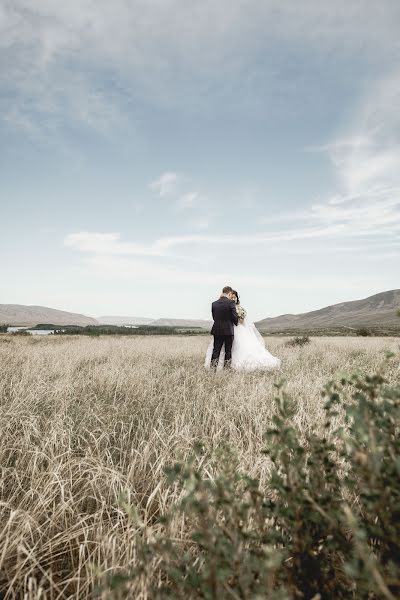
[[373, 311], [24, 314]]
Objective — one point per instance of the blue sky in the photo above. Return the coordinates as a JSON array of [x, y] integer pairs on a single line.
[[154, 151]]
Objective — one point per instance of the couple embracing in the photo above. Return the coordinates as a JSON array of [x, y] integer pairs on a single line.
[[237, 343]]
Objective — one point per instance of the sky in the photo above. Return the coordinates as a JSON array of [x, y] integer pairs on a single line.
[[153, 151]]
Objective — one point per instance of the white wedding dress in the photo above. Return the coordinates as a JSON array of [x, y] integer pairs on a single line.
[[248, 351]]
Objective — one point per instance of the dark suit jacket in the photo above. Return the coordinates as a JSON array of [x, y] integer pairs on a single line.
[[224, 315]]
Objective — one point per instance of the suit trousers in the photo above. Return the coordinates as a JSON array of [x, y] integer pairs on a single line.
[[219, 342]]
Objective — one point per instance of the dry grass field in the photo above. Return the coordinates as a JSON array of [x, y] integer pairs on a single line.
[[84, 420]]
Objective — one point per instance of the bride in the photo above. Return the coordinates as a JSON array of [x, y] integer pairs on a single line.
[[248, 350]]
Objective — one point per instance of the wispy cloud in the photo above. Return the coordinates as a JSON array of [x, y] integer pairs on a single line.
[[367, 158], [109, 244], [188, 200], [373, 214], [327, 222], [170, 185], [366, 164], [166, 184]]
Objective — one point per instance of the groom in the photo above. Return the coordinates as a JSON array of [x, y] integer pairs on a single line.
[[225, 317]]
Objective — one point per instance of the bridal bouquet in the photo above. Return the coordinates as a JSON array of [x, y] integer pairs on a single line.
[[241, 313]]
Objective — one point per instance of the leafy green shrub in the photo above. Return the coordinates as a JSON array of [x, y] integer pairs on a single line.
[[298, 341], [325, 524]]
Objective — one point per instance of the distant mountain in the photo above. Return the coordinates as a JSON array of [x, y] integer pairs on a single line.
[[124, 320], [182, 323], [374, 311], [18, 314], [164, 322], [379, 310]]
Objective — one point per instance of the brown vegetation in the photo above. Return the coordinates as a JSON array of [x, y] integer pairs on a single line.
[[88, 426]]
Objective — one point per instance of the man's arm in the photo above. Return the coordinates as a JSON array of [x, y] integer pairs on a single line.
[[212, 311], [234, 316]]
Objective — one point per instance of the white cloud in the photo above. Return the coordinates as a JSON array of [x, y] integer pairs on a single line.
[[322, 222], [188, 200], [365, 216], [170, 184], [366, 164], [368, 157], [108, 244], [166, 185]]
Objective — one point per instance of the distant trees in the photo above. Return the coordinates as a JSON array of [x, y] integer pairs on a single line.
[[3, 328], [363, 331], [95, 330]]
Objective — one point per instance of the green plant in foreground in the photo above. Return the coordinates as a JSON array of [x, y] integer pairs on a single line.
[[325, 524]]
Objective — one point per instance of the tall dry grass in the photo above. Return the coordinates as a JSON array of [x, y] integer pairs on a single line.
[[85, 421]]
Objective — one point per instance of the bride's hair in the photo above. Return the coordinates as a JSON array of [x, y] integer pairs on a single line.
[[237, 296]]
